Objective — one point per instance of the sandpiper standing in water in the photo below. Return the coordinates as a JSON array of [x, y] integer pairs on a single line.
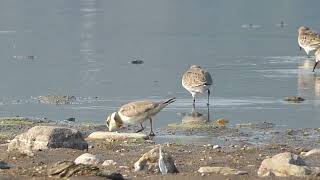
[[317, 58], [136, 113], [196, 80], [308, 39]]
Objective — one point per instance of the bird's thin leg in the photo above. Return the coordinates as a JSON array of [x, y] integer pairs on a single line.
[[315, 66], [151, 130], [208, 97], [142, 128], [194, 102], [300, 48], [208, 113]]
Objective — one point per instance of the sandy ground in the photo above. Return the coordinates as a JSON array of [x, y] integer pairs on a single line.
[[188, 158]]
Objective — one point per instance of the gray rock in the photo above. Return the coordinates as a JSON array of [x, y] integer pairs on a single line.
[[88, 159], [148, 160], [286, 164], [166, 163], [221, 170], [4, 165], [45, 137]]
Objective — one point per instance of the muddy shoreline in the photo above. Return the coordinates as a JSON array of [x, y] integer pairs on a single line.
[[235, 150]]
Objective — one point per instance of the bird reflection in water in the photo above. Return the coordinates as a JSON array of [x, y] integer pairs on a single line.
[[308, 82], [196, 117]]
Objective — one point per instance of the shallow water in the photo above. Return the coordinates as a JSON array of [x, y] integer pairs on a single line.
[[83, 48]]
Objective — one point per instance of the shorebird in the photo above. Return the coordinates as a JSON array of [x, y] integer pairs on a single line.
[[317, 57], [308, 39], [136, 113], [196, 80]]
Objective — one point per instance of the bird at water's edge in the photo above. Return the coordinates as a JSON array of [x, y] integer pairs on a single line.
[[197, 81], [136, 113]]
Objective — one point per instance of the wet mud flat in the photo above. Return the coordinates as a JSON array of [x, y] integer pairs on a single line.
[[238, 148]]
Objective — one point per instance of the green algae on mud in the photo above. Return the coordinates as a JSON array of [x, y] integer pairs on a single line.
[[12, 121], [191, 126]]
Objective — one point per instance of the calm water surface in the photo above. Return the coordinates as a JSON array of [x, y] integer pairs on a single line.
[[82, 48]]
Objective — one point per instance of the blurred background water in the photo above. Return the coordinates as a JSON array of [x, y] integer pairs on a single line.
[[83, 49]]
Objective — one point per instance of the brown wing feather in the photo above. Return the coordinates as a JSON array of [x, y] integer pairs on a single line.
[[196, 77], [136, 108]]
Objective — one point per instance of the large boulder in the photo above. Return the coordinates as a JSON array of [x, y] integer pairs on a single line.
[[45, 137], [286, 164]]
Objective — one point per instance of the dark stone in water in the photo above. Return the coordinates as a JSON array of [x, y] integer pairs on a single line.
[[137, 62], [295, 99], [71, 119]]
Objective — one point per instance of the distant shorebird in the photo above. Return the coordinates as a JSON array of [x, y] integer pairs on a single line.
[[308, 39], [196, 80], [317, 57], [136, 113]]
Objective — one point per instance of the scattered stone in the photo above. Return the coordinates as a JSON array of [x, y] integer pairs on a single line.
[[286, 164], [115, 135], [66, 169], [109, 163], [148, 159], [4, 165], [166, 163], [115, 176], [221, 170], [137, 61], [88, 159], [216, 147], [69, 168], [45, 137], [55, 99], [311, 152], [295, 99], [289, 132]]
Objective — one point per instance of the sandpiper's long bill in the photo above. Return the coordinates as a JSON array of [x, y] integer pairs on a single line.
[[136, 113]]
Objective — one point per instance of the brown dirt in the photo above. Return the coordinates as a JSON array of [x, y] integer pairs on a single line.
[[188, 158]]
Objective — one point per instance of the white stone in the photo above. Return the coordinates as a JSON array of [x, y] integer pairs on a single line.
[[98, 135], [88, 159], [311, 152], [286, 164], [216, 147], [221, 170], [45, 137], [109, 163]]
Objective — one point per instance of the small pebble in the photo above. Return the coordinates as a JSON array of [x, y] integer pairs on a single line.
[[216, 147]]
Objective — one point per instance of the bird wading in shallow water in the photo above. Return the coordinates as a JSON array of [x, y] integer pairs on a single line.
[[136, 113], [317, 58], [308, 39], [196, 80]]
